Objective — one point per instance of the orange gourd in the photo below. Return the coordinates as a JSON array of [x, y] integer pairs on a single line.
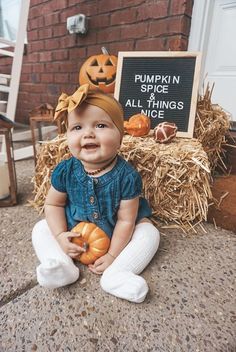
[[100, 72], [138, 125], [93, 239]]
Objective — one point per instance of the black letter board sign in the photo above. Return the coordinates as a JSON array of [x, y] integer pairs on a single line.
[[161, 85]]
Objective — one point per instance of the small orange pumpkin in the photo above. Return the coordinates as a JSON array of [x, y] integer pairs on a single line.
[[138, 125], [100, 72], [93, 239]]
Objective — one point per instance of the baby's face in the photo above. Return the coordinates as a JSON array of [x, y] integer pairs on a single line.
[[92, 136]]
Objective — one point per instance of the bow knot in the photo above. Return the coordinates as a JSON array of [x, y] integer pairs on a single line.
[[70, 102]]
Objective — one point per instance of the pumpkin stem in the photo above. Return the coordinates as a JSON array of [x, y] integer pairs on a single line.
[[85, 246], [104, 50]]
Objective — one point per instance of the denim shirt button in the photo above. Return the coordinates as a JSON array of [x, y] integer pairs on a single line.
[[95, 215], [91, 199], [95, 180]]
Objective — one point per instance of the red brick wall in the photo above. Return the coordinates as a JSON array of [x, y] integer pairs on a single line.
[[54, 56]]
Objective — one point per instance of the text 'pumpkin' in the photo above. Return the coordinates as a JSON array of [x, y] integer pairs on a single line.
[[93, 239], [100, 72]]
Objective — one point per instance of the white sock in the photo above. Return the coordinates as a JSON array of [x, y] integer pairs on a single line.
[[121, 278], [54, 274], [125, 285], [45, 244], [57, 268]]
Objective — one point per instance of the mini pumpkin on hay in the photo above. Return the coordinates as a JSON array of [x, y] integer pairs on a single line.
[[138, 125], [93, 239], [99, 71], [164, 132]]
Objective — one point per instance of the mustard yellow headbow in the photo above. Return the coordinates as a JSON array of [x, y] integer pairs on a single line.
[[67, 103]]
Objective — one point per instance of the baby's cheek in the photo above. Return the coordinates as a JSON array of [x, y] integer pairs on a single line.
[[73, 143]]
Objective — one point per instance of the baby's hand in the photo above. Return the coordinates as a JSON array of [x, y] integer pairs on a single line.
[[101, 264], [71, 249]]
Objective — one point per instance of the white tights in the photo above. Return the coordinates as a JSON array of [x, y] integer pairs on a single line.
[[120, 279]]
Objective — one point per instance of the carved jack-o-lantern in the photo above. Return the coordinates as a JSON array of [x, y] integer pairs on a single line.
[[100, 72]]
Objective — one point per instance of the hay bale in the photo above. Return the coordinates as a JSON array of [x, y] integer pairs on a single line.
[[212, 124], [50, 153], [175, 175]]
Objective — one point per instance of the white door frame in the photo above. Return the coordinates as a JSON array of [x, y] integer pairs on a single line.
[[200, 29]]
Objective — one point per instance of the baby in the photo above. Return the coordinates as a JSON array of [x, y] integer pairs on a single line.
[[95, 185]]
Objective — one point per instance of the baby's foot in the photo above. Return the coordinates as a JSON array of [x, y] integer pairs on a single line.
[[54, 274]]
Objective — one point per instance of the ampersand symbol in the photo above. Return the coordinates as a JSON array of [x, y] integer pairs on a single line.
[[152, 96]]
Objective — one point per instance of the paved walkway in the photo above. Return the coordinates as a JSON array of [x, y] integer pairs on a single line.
[[190, 307]]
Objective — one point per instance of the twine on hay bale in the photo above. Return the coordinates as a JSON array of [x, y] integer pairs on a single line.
[[212, 124], [175, 175]]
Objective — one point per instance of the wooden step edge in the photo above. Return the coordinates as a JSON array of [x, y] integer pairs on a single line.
[[3, 75], [6, 53], [7, 42], [4, 89]]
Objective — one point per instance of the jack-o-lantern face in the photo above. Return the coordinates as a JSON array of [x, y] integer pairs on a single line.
[[100, 72]]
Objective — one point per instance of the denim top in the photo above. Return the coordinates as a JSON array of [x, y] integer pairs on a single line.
[[94, 199]]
